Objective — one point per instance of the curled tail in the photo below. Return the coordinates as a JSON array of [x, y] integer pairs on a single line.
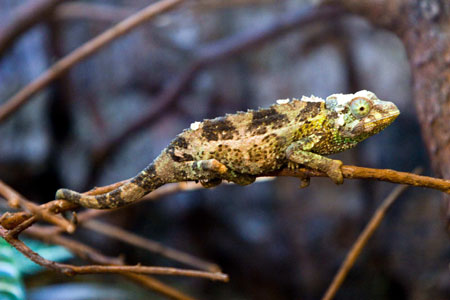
[[143, 183]]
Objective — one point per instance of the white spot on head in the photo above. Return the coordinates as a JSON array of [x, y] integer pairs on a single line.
[[195, 125], [312, 99], [343, 100], [341, 120], [282, 101]]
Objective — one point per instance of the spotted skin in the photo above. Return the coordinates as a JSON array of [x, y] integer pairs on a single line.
[[241, 146]]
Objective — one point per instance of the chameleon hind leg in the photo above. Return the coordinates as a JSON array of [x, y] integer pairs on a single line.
[[211, 172], [299, 153]]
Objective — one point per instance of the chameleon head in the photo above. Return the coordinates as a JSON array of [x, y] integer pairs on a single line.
[[360, 115]]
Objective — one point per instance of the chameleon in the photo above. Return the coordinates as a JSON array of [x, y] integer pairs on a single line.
[[239, 147]]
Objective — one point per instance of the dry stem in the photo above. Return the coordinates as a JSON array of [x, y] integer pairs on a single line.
[[16, 200], [355, 172], [153, 246], [361, 242], [11, 220], [86, 252], [94, 269], [77, 248]]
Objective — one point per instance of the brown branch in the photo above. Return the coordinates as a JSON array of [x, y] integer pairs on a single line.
[[50, 234], [90, 254], [354, 172], [362, 240], [95, 269], [22, 19], [60, 205], [10, 220], [16, 200], [153, 246], [22, 226], [129, 237], [82, 52], [79, 249]]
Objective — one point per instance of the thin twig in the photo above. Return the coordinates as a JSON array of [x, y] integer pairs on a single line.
[[90, 254], [16, 200], [22, 226], [82, 52], [95, 269], [362, 240], [355, 172], [10, 220], [153, 246], [79, 249]]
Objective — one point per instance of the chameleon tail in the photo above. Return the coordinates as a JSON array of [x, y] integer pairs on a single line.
[[146, 181]]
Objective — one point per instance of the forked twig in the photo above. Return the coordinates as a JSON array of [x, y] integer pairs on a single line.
[[95, 269], [11, 220], [90, 254], [15, 200]]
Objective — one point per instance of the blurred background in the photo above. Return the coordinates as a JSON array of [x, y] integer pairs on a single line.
[[105, 120]]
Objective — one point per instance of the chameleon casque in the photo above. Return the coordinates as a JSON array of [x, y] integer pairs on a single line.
[[238, 147]]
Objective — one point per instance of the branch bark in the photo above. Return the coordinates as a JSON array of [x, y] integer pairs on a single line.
[[10, 221], [71, 270]]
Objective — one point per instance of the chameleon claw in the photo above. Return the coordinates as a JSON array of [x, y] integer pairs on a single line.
[[210, 183], [304, 182]]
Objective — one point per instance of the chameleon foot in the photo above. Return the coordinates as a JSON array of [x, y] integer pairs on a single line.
[[334, 171], [241, 179], [304, 182], [210, 183], [331, 167]]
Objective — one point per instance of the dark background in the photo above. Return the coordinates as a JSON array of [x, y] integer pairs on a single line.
[[274, 240]]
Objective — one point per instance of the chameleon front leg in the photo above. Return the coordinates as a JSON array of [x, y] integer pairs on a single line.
[[299, 152]]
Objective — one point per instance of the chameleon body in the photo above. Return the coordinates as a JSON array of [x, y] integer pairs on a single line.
[[238, 147]]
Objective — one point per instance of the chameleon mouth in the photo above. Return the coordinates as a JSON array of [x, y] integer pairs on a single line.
[[382, 122]]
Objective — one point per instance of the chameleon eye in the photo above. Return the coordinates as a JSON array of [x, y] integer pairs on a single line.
[[360, 107]]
